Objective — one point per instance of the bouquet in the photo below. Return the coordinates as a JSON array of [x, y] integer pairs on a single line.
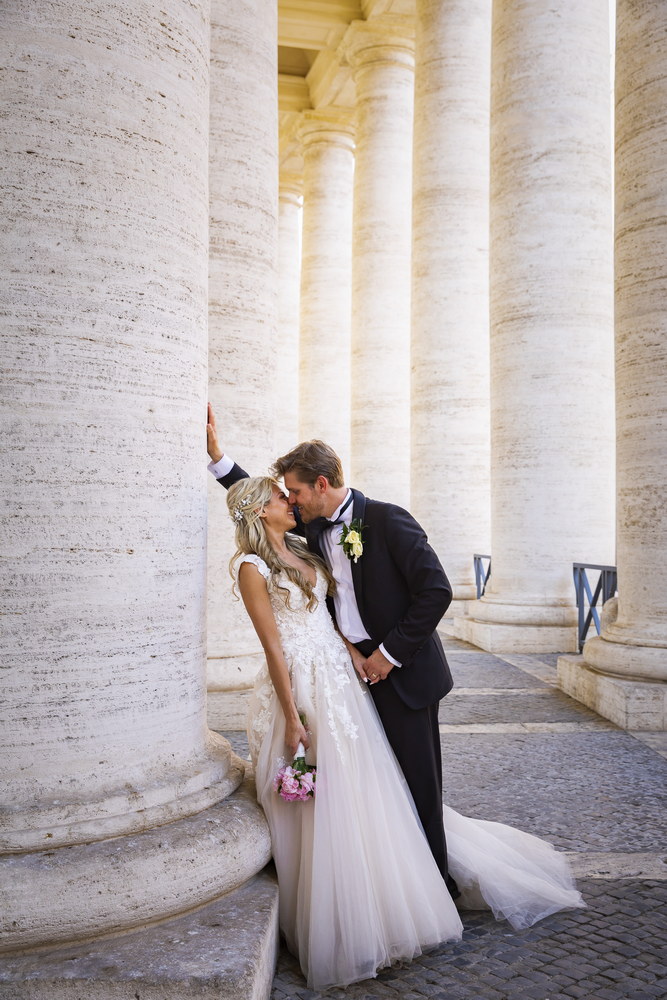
[[295, 782]]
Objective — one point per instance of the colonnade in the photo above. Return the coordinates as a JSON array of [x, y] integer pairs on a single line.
[[551, 326], [243, 310], [481, 378], [120, 806], [483, 192], [139, 221], [624, 670]]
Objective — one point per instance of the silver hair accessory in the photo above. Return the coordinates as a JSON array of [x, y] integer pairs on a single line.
[[237, 513]]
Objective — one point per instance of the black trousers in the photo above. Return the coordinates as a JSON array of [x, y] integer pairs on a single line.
[[414, 736]]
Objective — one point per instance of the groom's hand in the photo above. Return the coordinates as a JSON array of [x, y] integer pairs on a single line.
[[214, 450], [377, 667]]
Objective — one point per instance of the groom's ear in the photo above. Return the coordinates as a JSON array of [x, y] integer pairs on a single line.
[[322, 484]]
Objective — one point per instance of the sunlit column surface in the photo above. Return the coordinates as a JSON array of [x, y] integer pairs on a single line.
[[625, 669], [326, 280], [450, 300], [243, 294], [289, 277], [103, 730], [382, 57], [552, 412]]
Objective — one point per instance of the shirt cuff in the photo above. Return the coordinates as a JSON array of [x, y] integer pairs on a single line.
[[389, 656], [221, 468]]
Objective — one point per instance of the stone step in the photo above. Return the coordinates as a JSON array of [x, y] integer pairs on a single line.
[[110, 886], [225, 950]]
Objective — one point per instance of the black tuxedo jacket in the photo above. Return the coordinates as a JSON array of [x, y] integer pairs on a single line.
[[402, 592]]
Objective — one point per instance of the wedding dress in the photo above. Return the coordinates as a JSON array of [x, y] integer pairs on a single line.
[[358, 886]]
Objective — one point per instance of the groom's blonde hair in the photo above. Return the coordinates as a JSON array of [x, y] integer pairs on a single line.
[[309, 460]]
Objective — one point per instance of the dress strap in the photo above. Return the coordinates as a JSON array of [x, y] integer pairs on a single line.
[[257, 561]]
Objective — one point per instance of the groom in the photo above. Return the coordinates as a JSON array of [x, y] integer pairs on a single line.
[[387, 604]]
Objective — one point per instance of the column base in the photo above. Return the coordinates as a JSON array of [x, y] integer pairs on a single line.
[[460, 604], [498, 638], [83, 891], [630, 704], [229, 681], [225, 950], [227, 710], [501, 627], [228, 673]]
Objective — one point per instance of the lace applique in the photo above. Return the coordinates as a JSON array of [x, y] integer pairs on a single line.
[[258, 562], [260, 711], [313, 648]]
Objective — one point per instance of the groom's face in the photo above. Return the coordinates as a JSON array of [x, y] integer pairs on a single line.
[[311, 500]]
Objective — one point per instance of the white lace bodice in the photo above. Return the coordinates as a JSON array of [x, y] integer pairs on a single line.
[[316, 657]]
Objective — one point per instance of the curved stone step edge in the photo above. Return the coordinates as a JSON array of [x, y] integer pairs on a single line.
[[225, 950], [112, 885]]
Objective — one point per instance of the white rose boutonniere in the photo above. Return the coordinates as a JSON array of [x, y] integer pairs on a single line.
[[352, 539]]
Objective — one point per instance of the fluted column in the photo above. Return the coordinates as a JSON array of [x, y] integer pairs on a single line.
[[624, 671], [289, 280], [243, 298], [381, 53], [450, 284], [103, 731], [551, 320], [326, 279]]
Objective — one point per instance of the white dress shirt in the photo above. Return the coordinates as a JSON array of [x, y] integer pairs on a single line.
[[345, 601]]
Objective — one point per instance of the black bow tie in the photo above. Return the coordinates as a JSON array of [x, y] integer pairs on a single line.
[[339, 519]]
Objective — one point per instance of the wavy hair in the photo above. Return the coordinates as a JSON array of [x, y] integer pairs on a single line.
[[246, 500]]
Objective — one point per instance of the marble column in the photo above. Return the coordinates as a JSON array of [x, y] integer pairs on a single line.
[[243, 307], [450, 283], [552, 418], [623, 672], [289, 280], [327, 141], [103, 727], [381, 53]]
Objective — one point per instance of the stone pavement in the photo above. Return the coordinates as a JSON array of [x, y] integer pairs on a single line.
[[517, 750]]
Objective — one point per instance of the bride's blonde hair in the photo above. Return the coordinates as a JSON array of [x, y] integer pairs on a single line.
[[246, 500]]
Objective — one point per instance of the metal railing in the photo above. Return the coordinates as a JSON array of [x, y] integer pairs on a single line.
[[482, 573], [588, 598]]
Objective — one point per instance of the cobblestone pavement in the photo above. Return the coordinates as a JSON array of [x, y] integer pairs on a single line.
[[517, 750]]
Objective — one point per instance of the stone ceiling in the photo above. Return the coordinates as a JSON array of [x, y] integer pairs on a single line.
[[310, 71]]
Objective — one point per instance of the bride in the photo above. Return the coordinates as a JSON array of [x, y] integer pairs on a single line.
[[358, 885]]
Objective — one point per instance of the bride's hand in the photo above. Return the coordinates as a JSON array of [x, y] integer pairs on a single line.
[[295, 733], [359, 663]]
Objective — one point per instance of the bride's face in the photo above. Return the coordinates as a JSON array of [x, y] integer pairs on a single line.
[[278, 511]]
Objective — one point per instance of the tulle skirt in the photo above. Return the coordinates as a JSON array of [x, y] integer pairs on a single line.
[[359, 888]]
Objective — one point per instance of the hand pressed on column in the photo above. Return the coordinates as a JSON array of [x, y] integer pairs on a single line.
[[213, 447]]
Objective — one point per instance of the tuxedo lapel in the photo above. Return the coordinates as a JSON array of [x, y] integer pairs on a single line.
[[358, 511], [313, 530]]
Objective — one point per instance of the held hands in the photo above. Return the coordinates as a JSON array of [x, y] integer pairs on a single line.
[[376, 668], [214, 450]]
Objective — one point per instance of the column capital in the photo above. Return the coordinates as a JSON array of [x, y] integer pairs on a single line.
[[332, 127], [290, 186], [387, 40]]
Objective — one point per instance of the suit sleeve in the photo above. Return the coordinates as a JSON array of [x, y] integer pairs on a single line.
[[233, 476], [427, 583]]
